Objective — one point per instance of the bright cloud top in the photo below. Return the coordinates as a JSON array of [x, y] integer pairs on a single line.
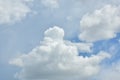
[[13, 10], [102, 24], [58, 59]]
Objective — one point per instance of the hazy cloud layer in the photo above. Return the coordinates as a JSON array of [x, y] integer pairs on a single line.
[[110, 72], [50, 3], [13, 10]]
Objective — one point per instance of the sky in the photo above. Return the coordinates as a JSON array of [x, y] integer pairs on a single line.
[[59, 39]]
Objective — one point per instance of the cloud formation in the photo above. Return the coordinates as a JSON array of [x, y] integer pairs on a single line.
[[58, 59], [102, 24], [13, 10]]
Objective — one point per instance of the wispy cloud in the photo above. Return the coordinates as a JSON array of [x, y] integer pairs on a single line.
[[110, 72], [50, 3], [13, 10]]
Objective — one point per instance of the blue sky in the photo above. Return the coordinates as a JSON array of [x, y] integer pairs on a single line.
[[59, 39]]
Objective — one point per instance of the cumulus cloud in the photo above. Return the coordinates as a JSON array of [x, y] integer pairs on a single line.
[[58, 59], [13, 10], [50, 3], [102, 24]]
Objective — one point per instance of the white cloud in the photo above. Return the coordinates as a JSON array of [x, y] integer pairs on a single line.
[[102, 24], [57, 59], [82, 47], [56, 33], [50, 3], [13, 10]]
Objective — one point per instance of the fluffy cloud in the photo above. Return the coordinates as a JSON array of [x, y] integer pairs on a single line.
[[58, 59], [50, 3], [102, 24], [13, 10]]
